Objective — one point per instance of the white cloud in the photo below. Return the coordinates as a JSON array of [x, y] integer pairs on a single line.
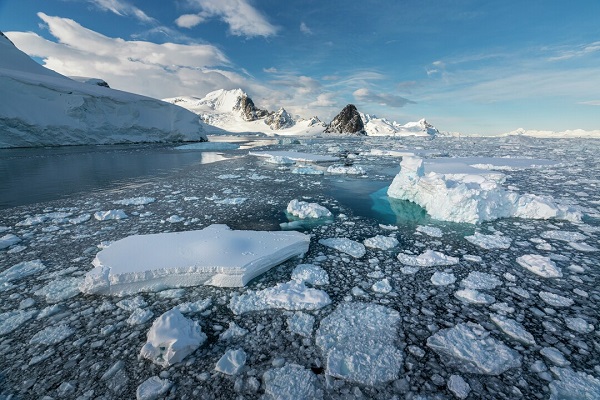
[[243, 19], [189, 20], [384, 99], [122, 8], [305, 29], [590, 103], [577, 51]]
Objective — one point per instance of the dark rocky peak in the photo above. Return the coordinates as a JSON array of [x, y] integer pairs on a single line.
[[280, 119], [248, 110], [347, 121]]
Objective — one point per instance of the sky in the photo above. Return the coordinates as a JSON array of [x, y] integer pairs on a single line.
[[469, 66]]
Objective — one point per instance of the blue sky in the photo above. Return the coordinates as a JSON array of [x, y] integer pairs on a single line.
[[470, 66]]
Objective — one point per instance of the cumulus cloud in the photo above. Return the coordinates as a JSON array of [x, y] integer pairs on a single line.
[[386, 99], [189, 20], [243, 19], [305, 29], [122, 8]]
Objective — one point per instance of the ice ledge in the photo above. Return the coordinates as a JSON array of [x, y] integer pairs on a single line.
[[471, 198], [215, 256]]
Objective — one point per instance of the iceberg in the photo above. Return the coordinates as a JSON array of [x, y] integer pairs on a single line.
[[215, 255], [471, 197]]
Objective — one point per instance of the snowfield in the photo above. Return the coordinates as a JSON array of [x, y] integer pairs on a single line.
[[200, 293]]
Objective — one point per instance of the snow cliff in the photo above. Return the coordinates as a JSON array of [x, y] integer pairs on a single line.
[[40, 107]]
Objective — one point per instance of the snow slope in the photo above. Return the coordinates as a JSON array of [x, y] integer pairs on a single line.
[[222, 110], [40, 107], [382, 127]]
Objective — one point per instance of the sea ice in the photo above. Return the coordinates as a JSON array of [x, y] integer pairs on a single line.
[[358, 340], [307, 170], [11, 320], [135, 201], [580, 246], [571, 385], [232, 362], [480, 280], [540, 265], [458, 386], [132, 303], [109, 215], [470, 349], [171, 338], [555, 356], [430, 231], [52, 335], [233, 331], [474, 297], [345, 245], [513, 329], [565, 236], [470, 197], [289, 296], [60, 289], [293, 155], [429, 258], [382, 286], [8, 240], [346, 170], [291, 381], [311, 274], [301, 323], [556, 300], [381, 242], [489, 242], [153, 388], [194, 306], [442, 278], [579, 324], [214, 256], [303, 210], [21, 270], [139, 316]]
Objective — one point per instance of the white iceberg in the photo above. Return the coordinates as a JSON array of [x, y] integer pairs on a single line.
[[470, 197], [303, 210], [215, 256], [540, 265], [345, 245], [232, 362], [172, 338], [429, 258]]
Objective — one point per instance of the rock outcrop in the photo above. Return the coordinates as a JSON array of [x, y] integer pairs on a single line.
[[348, 121], [248, 110], [280, 119]]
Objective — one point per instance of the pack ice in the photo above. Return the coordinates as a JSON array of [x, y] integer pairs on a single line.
[[215, 255], [470, 197]]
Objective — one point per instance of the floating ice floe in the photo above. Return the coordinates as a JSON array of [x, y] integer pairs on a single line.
[[555, 356], [19, 271], [301, 323], [358, 340], [474, 297], [233, 331], [458, 386], [232, 362], [571, 385], [11, 320], [442, 278], [513, 329], [153, 388], [580, 246], [470, 197], [8, 240], [135, 201], [430, 231], [294, 156], [60, 289], [110, 215], [381, 242], [303, 210], [139, 316], [565, 236], [172, 338], [382, 286], [288, 296], [52, 335], [311, 274], [80, 219], [291, 381], [540, 265], [480, 280], [429, 258], [194, 306], [345, 245], [489, 242], [470, 349], [579, 324], [307, 170], [346, 170], [556, 300], [215, 256], [174, 219]]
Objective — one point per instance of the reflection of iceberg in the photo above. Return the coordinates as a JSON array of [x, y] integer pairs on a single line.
[[392, 211]]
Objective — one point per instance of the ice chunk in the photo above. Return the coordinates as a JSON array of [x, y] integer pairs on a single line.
[[346, 169], [429, 258], [345, 245], [21, 270], [555, 356], [583, 247], [572, 385], [153, 388], [579, 324], [474, 297], [540, 265], [11, 320], [513, 329], [306, 170], [231, 362], [139, 316], [458, 386], [470, 197], [110, 214], [556, 300], [8, 240], [80, 219], [565, 236], [174, 219], [289, 296], [194, 306], [215, 256], [132, 303], [430, 231], [381, 242], [311, 274], [382, 286], [442, 278], [489, 242], [135, 201], [291, 382], [470, 349], [358, 340], [172, 338], [52, 335], [293, 155], [60, 289], [301, 324], [480, 280], [302, 210], [232, 332], [233, 201]]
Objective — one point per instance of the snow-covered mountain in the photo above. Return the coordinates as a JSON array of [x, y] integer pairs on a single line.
[[234, 111], [348, 121], [572, 133], [39, 107], [382, 127]]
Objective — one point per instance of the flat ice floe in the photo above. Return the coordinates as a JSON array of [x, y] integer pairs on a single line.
[[429, 258], [19, 271], [540, 265], [291, 382], [381, 242], [294, 156], [571, 385], [442, 278], [470, 349], [232, 362], [11, 320], [358, 340], [153, 388], [489, 242], [303, 210], [301, 323], [474, 296], [513, 329], [345, 245], [564, 236], [110, 215], [8, 240], [556, 300], [135, 201], [471, 197], [480, 280], [579, 324], [311, 274], [215, 256], [172, 338]]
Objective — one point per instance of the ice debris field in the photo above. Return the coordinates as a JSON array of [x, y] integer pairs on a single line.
[[324, 269]]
